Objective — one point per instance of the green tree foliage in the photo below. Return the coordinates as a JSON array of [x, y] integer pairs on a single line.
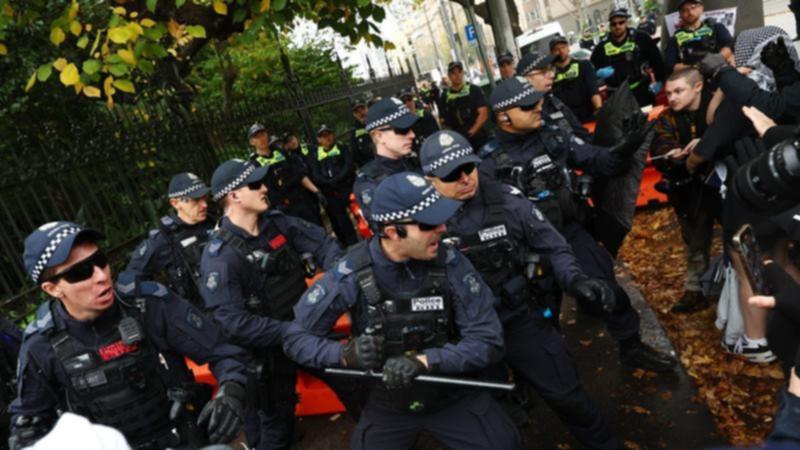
[[113, 49]]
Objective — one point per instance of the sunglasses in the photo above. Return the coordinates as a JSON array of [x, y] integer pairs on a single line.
[[455, 175], [399, 131], [618, 23], [84, 269], [421, 226], [529, 107], [255, 185]]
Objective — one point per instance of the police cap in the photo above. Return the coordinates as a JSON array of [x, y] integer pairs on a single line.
[[697, 2], [558, 40], [50, 245], [408, 196], [324, 129], [390, 111], [505, 57], [534, 61], [444, 151], [405, 93], [514, 92], [255, 129], [452, 66], [187, 184], [234, 173], [619, 12]]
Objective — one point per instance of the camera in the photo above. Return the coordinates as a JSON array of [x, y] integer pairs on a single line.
[[770, 183]]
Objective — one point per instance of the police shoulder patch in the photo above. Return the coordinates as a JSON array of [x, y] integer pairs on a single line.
[[366, 196], [316, 294], [471, 282], [153, 289], [212, 281], [343, 267], [153, 233], [214, 245], [514, 191], [43, 320], [194, 318], [142, 249]]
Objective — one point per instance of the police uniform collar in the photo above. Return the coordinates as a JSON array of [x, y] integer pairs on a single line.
[[380, 260], [226, 223], [106, 320]]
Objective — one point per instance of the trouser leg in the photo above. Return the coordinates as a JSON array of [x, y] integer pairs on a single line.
[[340, 220], [474, 422], [539, 353], [596, 262]]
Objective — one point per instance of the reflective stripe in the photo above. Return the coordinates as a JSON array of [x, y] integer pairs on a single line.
[[361, 132], [612, 50], [322, 154], [276, 158], [421, 113], [304, 149], [464, 92], [572, 72], [682, 36]]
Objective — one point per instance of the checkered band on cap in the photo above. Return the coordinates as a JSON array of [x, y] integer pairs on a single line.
[[187, 191], [446, 158], [535, 63], [402, 110], [48, 251], [400, 215], [236, 182], [513, 100]]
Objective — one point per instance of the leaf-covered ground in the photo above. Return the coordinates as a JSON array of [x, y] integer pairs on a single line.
[[740, 395]]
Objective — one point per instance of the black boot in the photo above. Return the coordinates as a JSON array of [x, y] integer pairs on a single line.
[[690, 302], [635, 353]]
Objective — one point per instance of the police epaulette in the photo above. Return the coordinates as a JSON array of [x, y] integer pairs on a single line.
[[127, 286], [488, 148], [168, 222], [214, 244], [43, 321], [451, 255]]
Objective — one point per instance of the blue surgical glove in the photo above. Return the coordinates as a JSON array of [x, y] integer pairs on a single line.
[[605, 72], [655, 88]]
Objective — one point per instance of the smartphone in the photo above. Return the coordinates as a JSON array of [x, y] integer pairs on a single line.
[[744, 243]]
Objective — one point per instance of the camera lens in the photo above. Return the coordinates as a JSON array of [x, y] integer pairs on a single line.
[[771, 181]]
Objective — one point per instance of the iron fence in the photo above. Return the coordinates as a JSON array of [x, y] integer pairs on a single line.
[[110, 170]]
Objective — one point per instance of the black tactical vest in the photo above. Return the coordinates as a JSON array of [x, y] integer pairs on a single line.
[[118, 384], [409, 322], [187, 244], [694, 45], [277, 274], [491, 249]]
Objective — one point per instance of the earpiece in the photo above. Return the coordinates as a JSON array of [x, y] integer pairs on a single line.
[[506, 117]]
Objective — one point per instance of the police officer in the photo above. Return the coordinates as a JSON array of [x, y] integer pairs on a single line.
[[417, 307], [10, 339], [115, 355], [332, 170], [463, 107], [390, 125], [538, 70], [695, 38], [425, 126], [290, 189], [540, 159], [175, 247], [629, 55], [363, 149], [575, 83], [503, 235], [505, 62], [587, 40], [253, 273]]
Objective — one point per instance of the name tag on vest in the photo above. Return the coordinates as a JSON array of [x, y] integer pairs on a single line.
[[188, 241], [488, 234], [557, 115], [541, 162], [427, 304]]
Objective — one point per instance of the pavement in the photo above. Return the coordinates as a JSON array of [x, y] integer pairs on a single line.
[[645, 409]]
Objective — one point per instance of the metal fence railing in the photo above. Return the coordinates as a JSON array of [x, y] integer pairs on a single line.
[[110, 170]]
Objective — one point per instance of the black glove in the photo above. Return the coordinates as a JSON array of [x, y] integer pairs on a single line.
[[783, 288], [775, 55], [321, 199], [363, 352], [400, 371], [592, 291], [27, 430], [711, 64], [224, 415]]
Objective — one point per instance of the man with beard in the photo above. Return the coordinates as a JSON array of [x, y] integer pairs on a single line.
[[695, 38], [575, 82], [360, 143]]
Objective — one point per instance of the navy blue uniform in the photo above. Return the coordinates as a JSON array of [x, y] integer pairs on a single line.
[[562, 150], [533, 346], [10, 340], [370, 176], [466, 423], [174, 248], [228, 289], [172, 327], [333, 172], [286, 191]]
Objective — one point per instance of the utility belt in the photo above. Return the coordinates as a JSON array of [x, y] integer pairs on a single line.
[[187, 399]]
